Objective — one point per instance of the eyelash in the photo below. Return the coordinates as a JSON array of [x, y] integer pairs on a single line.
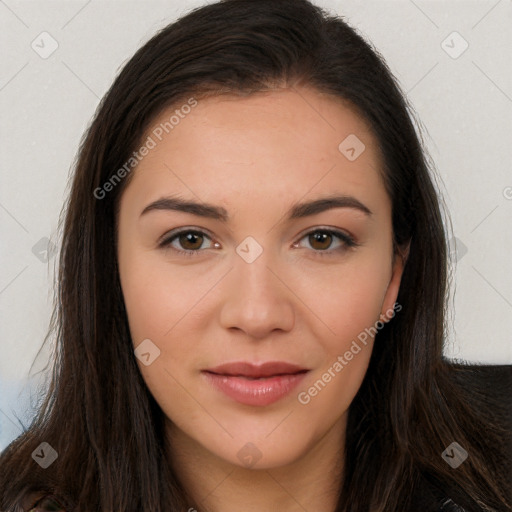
[[348, 241]]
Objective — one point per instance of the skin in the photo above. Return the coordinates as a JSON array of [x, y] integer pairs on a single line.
[[256, 156]]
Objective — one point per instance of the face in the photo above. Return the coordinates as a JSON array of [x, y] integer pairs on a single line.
[[262, 270]]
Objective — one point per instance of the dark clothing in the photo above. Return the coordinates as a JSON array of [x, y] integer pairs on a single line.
[[493, 383]]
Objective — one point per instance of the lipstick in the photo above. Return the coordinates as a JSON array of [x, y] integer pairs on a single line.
[[256, 385]]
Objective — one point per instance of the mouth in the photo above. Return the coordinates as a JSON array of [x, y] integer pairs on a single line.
[[256, 385]]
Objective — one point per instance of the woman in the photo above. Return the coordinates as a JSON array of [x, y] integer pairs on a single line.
[[252, 291]]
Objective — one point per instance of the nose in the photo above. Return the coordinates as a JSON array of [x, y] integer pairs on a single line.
[[256, 298]]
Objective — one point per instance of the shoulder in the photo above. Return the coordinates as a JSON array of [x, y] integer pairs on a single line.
[[484, 392]]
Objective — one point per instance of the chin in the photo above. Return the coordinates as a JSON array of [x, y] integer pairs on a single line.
[[262, 453]]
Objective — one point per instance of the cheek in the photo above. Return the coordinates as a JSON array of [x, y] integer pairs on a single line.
[[166, 304], [160, 307], [346, 299], [159, 296], [349, 303], [351, 307]]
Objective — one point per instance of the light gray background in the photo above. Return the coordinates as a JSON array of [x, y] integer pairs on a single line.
[[464, 104]]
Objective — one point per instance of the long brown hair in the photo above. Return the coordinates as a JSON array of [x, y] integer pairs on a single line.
[[98, 414]]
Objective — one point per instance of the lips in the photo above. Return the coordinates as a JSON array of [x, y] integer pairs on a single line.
[[244, 369], [255, 385]]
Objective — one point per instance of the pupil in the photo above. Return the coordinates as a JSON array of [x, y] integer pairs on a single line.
[[188, 239], [321, 238]]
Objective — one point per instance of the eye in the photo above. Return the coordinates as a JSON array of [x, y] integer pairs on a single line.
[[321, 241], [189, 240]]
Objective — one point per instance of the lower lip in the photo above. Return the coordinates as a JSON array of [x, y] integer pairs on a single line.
[[255, 391]]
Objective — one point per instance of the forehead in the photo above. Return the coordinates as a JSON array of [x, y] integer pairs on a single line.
[[277, 144]]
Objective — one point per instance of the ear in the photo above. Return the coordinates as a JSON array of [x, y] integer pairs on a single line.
[[399, 260]]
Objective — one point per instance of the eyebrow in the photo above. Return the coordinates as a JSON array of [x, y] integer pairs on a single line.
[[297, 211]]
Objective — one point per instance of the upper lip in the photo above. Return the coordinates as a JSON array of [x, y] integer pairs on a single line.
[[246, 369]]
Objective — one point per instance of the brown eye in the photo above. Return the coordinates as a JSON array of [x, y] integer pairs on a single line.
[[191, 240], [188, 242], [320, 240], [328, 242]]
